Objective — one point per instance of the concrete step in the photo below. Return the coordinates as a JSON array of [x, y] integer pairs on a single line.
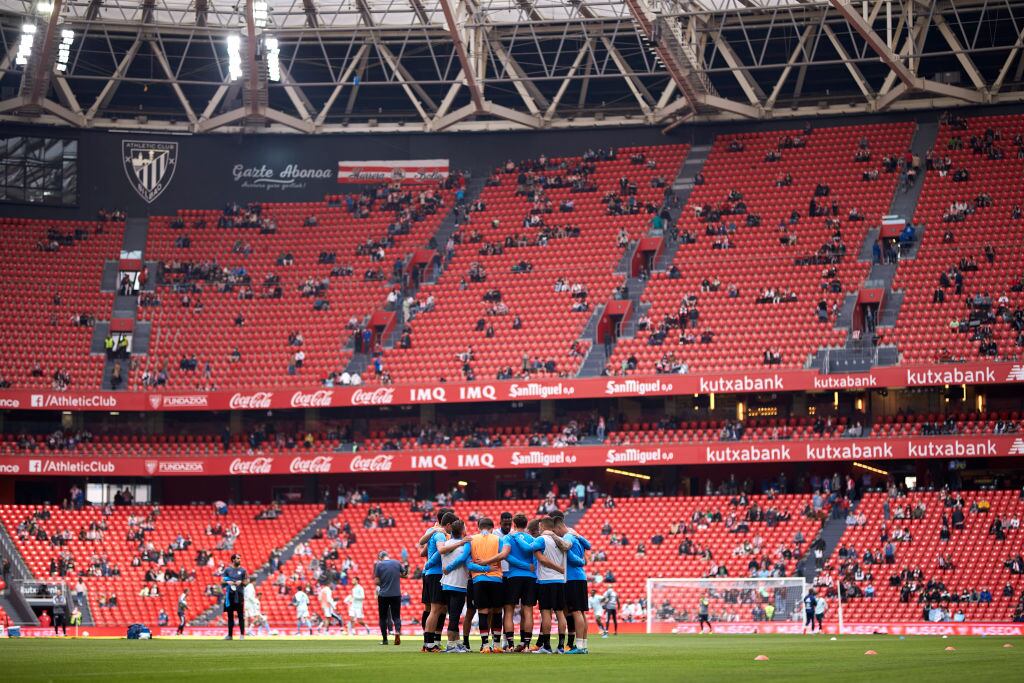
[[904, 202], [882, 271], [136, 228], [590, 329], [109, 280], [126, 306], [594, 363], [845, 318], [141, 337], [99, 335], [866, 249], [108, 370], [891, 310]]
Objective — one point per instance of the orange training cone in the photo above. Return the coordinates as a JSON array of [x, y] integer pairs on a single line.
[[761, 658], [871, 652]]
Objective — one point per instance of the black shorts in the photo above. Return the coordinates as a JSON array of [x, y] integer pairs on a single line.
[[432, 590], [703, 619], [521, 590], [576, 596], [551, 596], [488, 594]]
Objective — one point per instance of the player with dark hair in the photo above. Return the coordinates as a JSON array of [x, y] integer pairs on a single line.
[[454, 554], [520, 584], [182, 609], [433, 598], [387, 573], [611, 609], [551, 561], [232, 581], [575, 587], [488, 593], [702, 615], [810, 602]]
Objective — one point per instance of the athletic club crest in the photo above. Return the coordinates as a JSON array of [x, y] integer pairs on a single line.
[[149, 166]]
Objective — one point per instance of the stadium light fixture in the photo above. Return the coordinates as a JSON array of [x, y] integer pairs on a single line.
[[28, 36], [869, 468], [260, 13], [635, 475], [67, 37], [44, 7], [234, 56], [463, 482], [273, 58]]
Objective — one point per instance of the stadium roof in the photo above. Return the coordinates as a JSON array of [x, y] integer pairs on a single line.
[[431, 65]]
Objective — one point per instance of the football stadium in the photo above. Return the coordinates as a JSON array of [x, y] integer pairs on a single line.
[[682, 338]]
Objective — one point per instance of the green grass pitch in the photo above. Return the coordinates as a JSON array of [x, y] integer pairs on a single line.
[[656, 658]]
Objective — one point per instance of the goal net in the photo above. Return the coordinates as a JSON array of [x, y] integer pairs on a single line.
[[733, 605]]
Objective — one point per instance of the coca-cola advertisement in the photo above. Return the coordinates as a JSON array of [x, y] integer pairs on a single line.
[[381, 396], [253, 466], [320, 464], [377, 463], [314, 399], [255, 401]]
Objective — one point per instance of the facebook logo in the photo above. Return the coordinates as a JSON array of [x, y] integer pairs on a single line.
[[37, 400], [35, 465]]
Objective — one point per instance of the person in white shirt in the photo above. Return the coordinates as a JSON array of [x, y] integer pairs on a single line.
[[252, 610], [354, 600], [327, 605], [596, 604], [301, 602]]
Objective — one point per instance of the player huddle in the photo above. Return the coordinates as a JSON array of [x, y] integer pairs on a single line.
[[521, 564]]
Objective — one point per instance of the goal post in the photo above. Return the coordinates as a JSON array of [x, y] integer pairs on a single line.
[[738, 604]]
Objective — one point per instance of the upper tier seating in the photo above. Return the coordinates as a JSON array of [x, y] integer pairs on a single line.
[[757, 258], [295, 253], [47, 321], [549, 327], [954, 240], [257, 538], [977, 556]]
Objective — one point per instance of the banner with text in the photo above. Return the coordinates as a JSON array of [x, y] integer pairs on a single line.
[[404, 171], [515, 390], [326, 461]]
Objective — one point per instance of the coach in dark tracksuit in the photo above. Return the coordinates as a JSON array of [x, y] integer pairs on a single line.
[[387, 572], [232, 580], [60, 612]]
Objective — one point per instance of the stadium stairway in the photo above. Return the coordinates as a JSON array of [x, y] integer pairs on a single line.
[[450, 224], [693, 165], [321, 521], [11, 601], [598, 356], [831, 533], [135, 232], [109, 282], [905, 203]]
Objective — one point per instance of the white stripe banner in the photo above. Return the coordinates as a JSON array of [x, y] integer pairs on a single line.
[[405, 171]]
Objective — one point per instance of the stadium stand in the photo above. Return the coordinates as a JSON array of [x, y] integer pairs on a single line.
[[133, 550], [513, 250], [787, 250], [48, 324], [964, 289], [250, 278], [977, 558], [712, 536]]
